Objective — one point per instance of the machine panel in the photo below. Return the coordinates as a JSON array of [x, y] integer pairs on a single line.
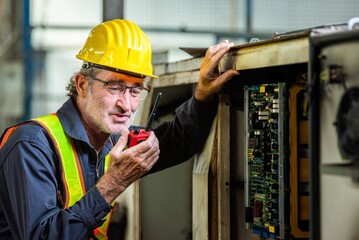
[[265, 108]]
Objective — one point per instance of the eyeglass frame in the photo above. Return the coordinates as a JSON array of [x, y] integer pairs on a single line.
[[122, 88]]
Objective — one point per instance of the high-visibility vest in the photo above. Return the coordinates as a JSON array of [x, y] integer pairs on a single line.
[[72, 175]]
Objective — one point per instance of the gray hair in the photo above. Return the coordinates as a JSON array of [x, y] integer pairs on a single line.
[[85, 70]]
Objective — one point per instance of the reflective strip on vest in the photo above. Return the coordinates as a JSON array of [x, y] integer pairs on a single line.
[[7, 134], [72, 176]]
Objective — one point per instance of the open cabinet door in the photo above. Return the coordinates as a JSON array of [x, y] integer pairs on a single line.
[[211, 208], [334, 135]]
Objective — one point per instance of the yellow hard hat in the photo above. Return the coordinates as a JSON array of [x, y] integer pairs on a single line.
[[119, 45]]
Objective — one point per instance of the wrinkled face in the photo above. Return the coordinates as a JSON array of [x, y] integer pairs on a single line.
[[111, 101]]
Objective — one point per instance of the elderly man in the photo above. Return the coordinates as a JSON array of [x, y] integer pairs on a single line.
[[60, 173]]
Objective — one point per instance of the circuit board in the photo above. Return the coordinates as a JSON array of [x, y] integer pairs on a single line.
[[265, 122]]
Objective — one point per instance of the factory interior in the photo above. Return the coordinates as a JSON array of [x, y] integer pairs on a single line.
[[281, 160]]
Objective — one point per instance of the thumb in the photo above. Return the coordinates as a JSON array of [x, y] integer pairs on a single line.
[[122, 142], [119, 146]]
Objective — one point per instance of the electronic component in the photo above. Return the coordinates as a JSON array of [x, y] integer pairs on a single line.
[[139, 134], [265, 144]]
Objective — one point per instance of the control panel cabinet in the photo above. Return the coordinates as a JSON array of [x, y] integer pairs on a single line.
[[269, 126], [269, 140], [294, 138]]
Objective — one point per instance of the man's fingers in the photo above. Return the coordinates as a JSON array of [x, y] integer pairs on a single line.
[[141, 151], [226, 76], [150, 145], [217, 56], [215, 49], [214, 55]]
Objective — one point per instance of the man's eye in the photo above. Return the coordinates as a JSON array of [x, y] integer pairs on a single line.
[[114, 88], [136, 91]]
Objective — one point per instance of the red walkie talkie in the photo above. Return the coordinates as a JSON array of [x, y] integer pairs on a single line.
[[139, 134]]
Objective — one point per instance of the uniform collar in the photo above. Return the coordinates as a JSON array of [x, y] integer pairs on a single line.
[[71, 122]]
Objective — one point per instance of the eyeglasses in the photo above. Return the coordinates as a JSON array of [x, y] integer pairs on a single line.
[[139, 93]]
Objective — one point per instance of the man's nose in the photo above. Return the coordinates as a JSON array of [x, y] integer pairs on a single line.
[[124, 100]]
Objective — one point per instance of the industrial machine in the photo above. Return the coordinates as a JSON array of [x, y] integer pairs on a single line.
[[282, 159], [273, 116], [295, 136], [269, 140]]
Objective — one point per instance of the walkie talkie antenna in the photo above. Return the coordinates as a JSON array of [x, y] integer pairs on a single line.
[[153, 113]]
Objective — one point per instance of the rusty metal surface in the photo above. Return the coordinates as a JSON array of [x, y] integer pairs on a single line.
[[275, 52]]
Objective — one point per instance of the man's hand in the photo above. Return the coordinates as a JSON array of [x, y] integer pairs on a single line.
[[127, 165], [210, 81]]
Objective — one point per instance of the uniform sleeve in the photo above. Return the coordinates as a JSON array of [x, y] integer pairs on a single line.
[[186, 134], [28, 193]]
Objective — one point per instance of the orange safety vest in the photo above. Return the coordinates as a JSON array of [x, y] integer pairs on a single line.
[[72, 176]]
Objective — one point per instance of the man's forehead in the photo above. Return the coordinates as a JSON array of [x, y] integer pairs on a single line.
[[123, 77]]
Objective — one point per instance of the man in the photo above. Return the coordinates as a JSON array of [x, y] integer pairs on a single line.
[[59, 174]]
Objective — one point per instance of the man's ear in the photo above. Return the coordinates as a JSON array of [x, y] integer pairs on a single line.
[[81, 84]]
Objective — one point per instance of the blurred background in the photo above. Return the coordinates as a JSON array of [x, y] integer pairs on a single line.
[[40, 38]]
